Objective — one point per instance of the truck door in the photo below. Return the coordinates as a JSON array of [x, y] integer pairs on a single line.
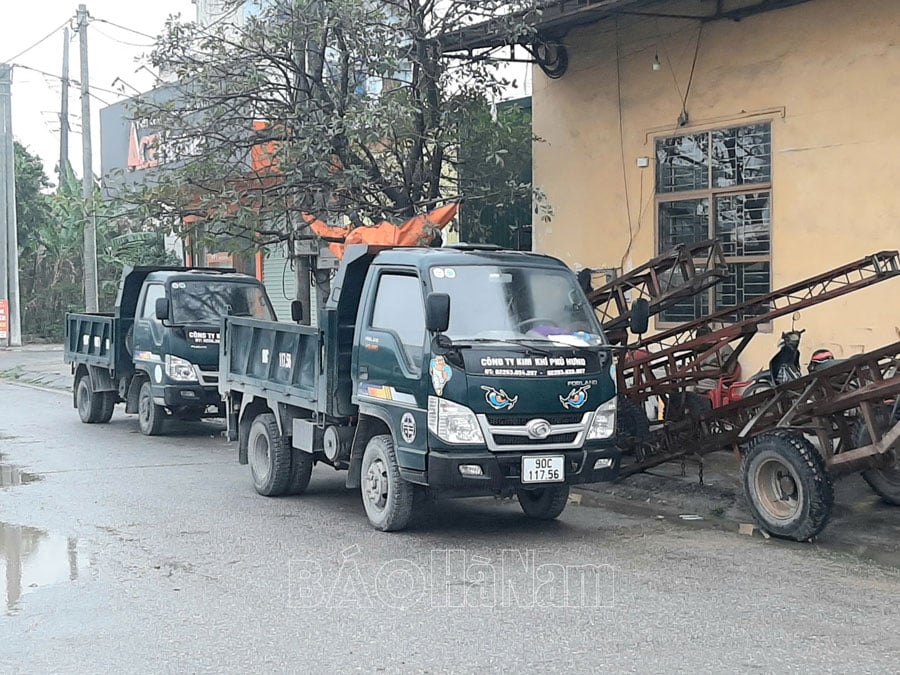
[[393, 344], [148, 330]]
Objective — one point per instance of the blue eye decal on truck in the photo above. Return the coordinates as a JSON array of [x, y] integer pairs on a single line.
[[575, 398], [499, 399]]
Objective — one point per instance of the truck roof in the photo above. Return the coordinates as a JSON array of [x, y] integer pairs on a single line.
[[133, 279], [463, 255], [186, 274]]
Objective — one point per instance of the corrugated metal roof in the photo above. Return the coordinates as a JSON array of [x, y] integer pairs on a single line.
[[551, 20]]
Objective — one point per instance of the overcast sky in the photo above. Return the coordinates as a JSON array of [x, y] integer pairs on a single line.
[[36, 98]]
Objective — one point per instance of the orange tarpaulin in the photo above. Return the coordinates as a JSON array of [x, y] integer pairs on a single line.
[[417, 231]]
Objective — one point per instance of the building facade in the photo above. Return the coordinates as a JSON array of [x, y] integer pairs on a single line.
[[776, 133]]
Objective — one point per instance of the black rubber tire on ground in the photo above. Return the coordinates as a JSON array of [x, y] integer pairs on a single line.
[[387, 498], [301, 470], [545, 503], [151, 417], [632, 425], [683, 404], [269, 456], [88, 402], [885, 482], [787, 485], [107, 407]]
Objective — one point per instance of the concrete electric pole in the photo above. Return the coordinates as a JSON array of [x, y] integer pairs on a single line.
[[91, 299], [10, 326], [64, 110]]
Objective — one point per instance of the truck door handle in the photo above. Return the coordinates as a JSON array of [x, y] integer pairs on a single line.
[[364, 372]]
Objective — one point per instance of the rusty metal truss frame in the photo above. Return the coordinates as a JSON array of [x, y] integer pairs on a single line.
[[676, 358], [826, 403], [683, 272]]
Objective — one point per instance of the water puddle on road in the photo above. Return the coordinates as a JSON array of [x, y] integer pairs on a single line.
[[31, 559], [13, 475]]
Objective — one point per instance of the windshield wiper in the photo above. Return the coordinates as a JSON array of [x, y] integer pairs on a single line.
[[471, 342]]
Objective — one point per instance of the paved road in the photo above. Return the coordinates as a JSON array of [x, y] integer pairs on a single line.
[[133, 554]]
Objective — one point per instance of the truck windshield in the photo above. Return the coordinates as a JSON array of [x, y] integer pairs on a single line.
[[208, 301], [510, 303]]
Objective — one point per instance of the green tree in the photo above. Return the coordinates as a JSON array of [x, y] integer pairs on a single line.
[[495, 169], [51, 239], [349, 108]]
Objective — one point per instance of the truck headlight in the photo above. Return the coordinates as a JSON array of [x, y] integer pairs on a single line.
[[180, 370], [453, 423], [604, 423]]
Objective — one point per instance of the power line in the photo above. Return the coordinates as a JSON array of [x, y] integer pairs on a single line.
[[76, 83], [43, 39], [125, 28], [122, 42]]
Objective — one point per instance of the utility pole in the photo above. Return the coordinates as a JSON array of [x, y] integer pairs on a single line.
[[64, 111], [91, 299], [10, 326]]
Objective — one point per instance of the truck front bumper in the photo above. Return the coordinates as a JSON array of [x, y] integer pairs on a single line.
[[175, 396], [501, 473]]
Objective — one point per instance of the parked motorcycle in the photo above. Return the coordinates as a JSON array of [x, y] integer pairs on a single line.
[[785, 365]]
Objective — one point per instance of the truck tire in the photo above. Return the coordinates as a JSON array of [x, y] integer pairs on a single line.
[[884, 482], [89, 402], [151, 416], [787, 485], [301, 470], [269, 455], [632, 425], [387, 498], [107, 408], [544, 503]]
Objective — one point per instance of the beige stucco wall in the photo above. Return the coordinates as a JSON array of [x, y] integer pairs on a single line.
[[827, 75]]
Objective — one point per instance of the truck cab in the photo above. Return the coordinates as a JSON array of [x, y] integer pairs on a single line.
[[465, 372], [512, 387]]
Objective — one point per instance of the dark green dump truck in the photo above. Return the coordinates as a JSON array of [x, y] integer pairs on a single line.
[[159, 352], [463, 371]]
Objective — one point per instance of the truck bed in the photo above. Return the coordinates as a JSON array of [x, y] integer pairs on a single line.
[[277, 360], [91, 339]]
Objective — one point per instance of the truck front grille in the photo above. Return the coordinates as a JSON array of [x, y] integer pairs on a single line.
[[504, 433], [503, 439], [522, 420]]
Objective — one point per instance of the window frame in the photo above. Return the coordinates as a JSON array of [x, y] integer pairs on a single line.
[[711, 193], [414, 367], [142, 315]]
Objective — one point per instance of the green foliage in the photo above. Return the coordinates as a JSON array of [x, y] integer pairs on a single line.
[[362, 115], [51, 241], [495, 168]]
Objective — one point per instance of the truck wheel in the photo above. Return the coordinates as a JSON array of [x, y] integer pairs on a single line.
[[388, 498], [150, 416], [89, 402], [301, 470], [270, 456], [107, 408], [544, 503], [632, 425], [787, 485], [885, 482]]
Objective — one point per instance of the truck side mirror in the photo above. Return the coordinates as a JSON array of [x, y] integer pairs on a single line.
[[296, 311], [437, 312], [162, 309], [640, 316]]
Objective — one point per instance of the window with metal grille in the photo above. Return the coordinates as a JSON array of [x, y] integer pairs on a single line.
[[718, 184]]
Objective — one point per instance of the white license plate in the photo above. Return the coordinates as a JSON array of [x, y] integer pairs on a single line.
[[543, 469]]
